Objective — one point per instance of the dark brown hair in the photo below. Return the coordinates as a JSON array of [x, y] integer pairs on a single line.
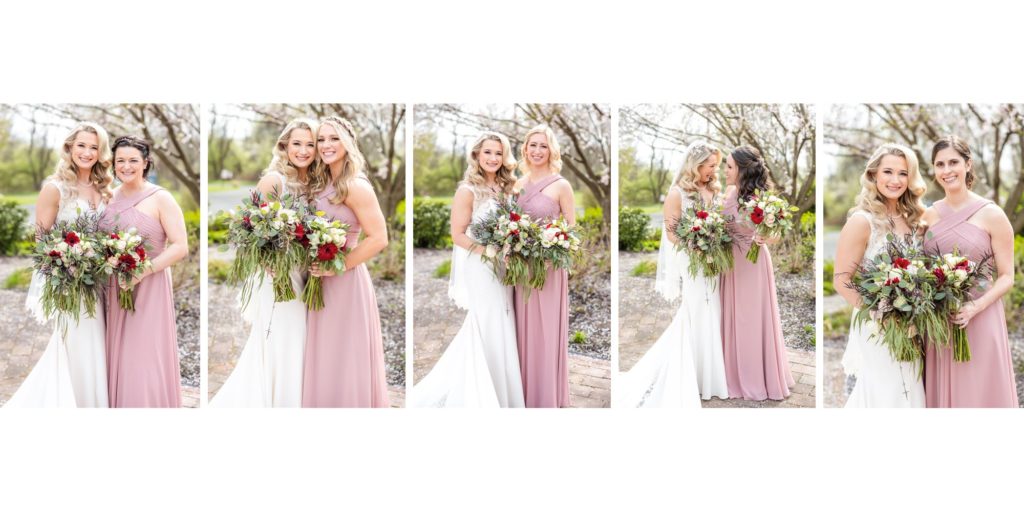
[[753, 173], [131, 141]]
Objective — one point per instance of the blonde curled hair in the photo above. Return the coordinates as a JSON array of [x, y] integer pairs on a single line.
[[66, 172], [474, 176], [688, 177], [353, 165], [555, 151], [909, 204], [279, 162]]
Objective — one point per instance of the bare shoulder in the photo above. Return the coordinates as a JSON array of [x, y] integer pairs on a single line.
[[49, 193], [360, 192], [857, 227], [564, 185], [463, 195], [674, 194]]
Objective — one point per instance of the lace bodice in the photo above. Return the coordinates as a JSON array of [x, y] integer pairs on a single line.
[[68, 208], [877, 239]]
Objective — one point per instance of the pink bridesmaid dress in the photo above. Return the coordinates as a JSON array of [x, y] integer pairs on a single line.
[[142, 347], [756, 365], [344, 359], [987, 379], [542, 322]]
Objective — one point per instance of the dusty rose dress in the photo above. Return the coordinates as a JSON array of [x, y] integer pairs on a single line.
[[542, 322], [142, 347], [756, 365], [344, 359], [987, 379]]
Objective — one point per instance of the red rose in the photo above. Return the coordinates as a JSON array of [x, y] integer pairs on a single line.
[[113, 236], [892, 282], [940, 275], [548, 226], [696, 229], [515, 231], [514, 217], [71, 238], [702, 215], [300, 234], [901, 263], [141, 251], [246, 222], [55, 254], [126, 263], [962, 265], [326, 252], [263, 205], [757, 216]]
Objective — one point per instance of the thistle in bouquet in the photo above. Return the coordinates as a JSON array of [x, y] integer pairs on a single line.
[[324, 242], [703, 235], [511, 242], [772, 218], [71, 264], [901, 294], [956, 276], [263, 233], [126, 259]]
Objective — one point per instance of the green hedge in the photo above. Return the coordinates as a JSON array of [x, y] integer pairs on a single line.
[[430, 223], [633, 229], [12, 227]]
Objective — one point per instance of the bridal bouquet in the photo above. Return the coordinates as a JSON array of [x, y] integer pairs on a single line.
[[70, 262], [702, 234], [125, 253], [263, 234], [956, 276], [324, 243], [771, 217], [559, 245], [902, 294], [512, 246]]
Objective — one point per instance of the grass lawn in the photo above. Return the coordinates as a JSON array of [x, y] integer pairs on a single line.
[[222, 186], [21, 199]]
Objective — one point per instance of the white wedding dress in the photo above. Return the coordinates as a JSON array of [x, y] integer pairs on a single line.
[[268, 373], [72, 372], [480, 367], [686, 364], [881, 381]]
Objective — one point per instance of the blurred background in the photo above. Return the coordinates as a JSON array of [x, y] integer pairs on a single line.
[[241, 141], [30, 141], [443, 133], [652, 143], [995, 134]]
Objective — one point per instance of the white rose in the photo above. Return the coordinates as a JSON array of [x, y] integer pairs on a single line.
[[491, 251]]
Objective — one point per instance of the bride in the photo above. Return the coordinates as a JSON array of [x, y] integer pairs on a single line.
[[480, 368], [686, 363], [72, 371], [269, 370], [889, 202]]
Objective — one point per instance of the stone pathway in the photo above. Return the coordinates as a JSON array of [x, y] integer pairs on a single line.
[[23, 340], [644, 315], [437, 320]]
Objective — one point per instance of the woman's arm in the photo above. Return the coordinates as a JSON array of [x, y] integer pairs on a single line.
[[672, 208], [853, 241], [173, 223], [47, 206], [363, 201], [567, 201], [462, 216], [999, 228]]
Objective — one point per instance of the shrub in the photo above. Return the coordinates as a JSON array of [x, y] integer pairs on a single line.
[[828, 286], [12, 227], [594, 247], [430, 223], [809, 331], [443, 270], [19, 279], [644, 268], [838, 323], [218, 270], [579, 338], [1015, 298], [217, 231], [633, 228]]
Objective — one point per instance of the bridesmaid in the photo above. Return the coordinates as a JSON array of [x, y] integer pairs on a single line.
[[542, 322], [142, 347], [975, 226], [268, 373], [344, 360], [756, 366]]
